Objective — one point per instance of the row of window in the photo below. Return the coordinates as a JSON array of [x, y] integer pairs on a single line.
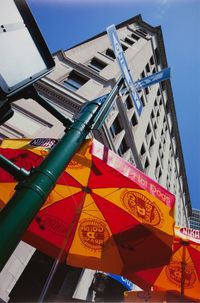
[[115, 129], [75, 80], [144, 157]]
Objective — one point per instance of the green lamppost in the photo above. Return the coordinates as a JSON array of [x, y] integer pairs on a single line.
[[32, 192]]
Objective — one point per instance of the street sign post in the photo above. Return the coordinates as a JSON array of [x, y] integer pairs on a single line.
[[119, 54], [131, 86]]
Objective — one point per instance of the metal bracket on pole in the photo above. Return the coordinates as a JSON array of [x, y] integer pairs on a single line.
[[17, 172], [44, 103]]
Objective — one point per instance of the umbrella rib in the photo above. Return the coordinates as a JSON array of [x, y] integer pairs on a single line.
[[92, 215], [110, 192], [72, 196], [102, 197]]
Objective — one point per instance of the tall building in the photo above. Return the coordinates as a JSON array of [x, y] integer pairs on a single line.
[[150, 141], [195, 219]]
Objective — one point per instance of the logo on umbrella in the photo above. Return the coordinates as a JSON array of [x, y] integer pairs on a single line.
[[174, 274], [142, 208], [93, 233], [73, 164]]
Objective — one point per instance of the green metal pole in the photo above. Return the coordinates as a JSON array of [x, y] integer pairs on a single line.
[[33, 191]]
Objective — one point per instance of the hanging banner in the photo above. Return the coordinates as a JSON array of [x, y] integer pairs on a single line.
[[119, 54]]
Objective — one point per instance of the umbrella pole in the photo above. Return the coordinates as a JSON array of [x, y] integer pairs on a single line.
[[32, 192], [183, 265]]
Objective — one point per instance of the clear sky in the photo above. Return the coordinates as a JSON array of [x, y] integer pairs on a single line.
[[65, 23]]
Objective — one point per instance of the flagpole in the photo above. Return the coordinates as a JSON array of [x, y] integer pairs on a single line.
[[32, 192]]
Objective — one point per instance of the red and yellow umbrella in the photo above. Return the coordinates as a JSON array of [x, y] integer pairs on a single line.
[[103, 213], [182, 274]]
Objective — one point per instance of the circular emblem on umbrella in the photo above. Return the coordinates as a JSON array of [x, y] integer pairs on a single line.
[[73, 164], [174, 274], [93, 233], [142, 208]]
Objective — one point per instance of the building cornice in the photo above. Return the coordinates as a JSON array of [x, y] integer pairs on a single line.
[[60, 98]]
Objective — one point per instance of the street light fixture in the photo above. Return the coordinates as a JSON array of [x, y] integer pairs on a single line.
[[25, 57]]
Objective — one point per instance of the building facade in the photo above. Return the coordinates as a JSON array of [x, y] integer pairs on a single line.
[[150, 141], [195, 219]]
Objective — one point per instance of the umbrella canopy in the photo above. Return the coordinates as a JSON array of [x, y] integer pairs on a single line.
[[182, 274], [102, 214]]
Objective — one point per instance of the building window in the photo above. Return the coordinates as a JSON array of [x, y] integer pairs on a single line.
[[135, 37], [142, 100], [148, 133], [141, 32], [129, 103], [142, 75], [115, 127], [124, 47], [75, 81], [123, 147], [146, 164], [152, 117], [154, 70], [109, 53], [134, 120], [155, 105], [129, 41], [151, 146], [97, 64], [147, 68], [142, 150], [152, 60], [151, 142], [158, 171], [159, 174], [146, 90], [158, 114]]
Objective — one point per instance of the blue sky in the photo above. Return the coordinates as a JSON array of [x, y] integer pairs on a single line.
[[65, 23]]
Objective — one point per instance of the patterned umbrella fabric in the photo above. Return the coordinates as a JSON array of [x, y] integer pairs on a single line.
[[182, 274], [103, 213]]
